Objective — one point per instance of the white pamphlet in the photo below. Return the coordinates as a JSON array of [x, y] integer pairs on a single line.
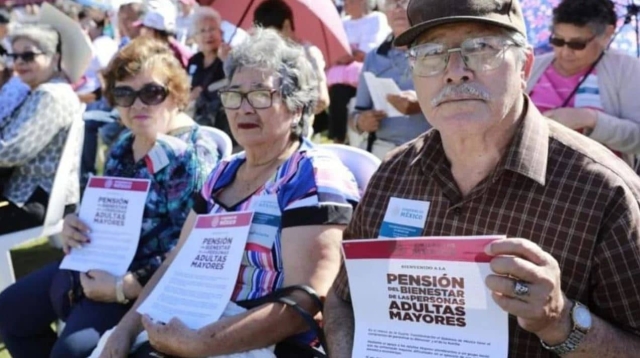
[[424, 297], [198, 285], [379, 88], [112, 208]]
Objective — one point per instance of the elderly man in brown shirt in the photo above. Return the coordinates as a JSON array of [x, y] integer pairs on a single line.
[[568, 274]]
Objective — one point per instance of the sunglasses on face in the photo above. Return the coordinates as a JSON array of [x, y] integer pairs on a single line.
[[150, 94], [573, 44], [26, 57]]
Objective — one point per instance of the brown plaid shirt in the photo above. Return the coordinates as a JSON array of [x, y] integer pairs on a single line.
[[555, 187]]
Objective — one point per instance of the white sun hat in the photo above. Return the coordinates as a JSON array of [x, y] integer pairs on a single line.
[[76, 52]]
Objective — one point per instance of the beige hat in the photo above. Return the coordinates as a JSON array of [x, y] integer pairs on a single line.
[[426, 14], [76, 50]]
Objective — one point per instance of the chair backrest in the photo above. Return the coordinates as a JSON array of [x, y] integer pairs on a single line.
[[222, 140], [70, 156], [361, 163]]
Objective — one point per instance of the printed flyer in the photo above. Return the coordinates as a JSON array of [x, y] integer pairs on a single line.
[[112, 208], [198, 284], [424, 297]]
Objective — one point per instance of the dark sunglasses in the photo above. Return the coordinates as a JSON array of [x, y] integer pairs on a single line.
[[574, 45], [150, 94], [25, 56]]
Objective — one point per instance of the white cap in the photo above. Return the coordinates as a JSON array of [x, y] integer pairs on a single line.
[[160, 15]]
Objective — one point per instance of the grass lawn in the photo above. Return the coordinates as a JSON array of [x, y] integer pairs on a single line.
[[30, 257]]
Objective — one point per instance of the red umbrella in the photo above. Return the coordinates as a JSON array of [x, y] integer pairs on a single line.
[[315, 21]]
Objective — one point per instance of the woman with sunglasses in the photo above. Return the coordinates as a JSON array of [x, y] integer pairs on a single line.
[[149, 87], [583, 85], [34, 124], [269, 100]]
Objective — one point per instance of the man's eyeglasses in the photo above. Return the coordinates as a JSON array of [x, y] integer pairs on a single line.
[[392, 4], [258, 99], [573, 44], [478, 54], [27, 57], [150, 94]]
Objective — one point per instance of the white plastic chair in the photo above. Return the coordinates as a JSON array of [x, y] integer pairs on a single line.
[[55, 208], [361, 163], [222, 140]]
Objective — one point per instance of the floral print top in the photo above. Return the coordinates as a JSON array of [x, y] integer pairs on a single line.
[[177, 167]]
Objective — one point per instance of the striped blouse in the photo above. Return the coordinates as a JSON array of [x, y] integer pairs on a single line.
[[312, 188]]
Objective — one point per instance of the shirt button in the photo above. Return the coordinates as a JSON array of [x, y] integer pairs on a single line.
[[457, 211]]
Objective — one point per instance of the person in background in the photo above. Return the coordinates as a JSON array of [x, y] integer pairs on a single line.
[[380, 132], [149, 88], [5, 44], [129, 14], [276, 14], [366, 29], [184, 21], [159, 22], [206, 68], [583, 85], [33, 136], [94, 23]]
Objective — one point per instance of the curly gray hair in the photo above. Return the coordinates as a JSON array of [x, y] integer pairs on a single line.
[[266, 50], [43, 36]]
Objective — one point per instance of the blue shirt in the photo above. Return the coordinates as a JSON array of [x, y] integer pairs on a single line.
[[174, 183], [389, 62]]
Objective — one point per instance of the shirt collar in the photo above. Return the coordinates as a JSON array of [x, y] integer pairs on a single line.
[[386, 46], [529, 151], [526, 155]]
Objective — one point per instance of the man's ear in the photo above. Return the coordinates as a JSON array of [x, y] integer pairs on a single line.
[[527, 66]]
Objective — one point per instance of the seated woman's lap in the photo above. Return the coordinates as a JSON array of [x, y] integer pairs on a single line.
[[84, 326], [26, 314], [14, 218]]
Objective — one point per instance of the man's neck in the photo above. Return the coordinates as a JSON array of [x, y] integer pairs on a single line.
[[474, 157]]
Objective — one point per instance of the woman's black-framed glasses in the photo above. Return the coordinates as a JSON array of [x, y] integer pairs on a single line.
[[27, 57], [150, 94], [573, 44], [258, 99]]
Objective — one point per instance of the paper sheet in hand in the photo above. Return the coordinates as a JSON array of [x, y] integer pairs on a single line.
[[112, 208], [379, 88], [424, 297], [197, 287]]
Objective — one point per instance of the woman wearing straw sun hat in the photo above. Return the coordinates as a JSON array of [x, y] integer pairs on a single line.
[[46, 56]]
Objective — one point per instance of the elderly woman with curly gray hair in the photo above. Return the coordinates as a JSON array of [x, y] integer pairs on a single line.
[[270, 97]]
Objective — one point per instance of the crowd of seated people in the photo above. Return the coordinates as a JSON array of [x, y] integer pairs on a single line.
[[163, 74]]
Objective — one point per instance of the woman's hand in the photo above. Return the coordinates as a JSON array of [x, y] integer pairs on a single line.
[[173, 338], [118, 345], [223, 51], [74, 233], [574, 118], [195, 93], [99, 286]]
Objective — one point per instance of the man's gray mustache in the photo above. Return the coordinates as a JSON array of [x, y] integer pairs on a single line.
[[461, 91]]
